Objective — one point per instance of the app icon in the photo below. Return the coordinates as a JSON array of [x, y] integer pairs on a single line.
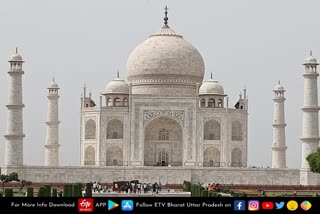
[[112, 205], [253, 205], [267, 205], [279, 205], [292, 205], [126, 205], [305, 205], [239, 205], [85, 205]]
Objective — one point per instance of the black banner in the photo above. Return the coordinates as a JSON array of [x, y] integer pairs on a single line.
[[160, 205]]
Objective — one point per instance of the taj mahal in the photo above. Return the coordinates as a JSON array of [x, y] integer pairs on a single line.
[[163, 122]]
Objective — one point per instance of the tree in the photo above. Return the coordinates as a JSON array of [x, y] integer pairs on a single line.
[[13, 176], [25, 183], [4, 179], [314, 161]]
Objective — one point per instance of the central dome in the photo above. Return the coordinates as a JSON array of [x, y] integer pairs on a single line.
[[165, 65]]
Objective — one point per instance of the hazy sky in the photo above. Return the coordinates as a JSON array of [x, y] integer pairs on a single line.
[[247, 42]]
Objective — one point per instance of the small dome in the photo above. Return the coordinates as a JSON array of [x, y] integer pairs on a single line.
[[211, 87], [117, 86], [279, 87], [311, 60], [53, 85], [16, 57]]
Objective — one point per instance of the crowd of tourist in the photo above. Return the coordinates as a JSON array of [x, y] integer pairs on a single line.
[[132, 187], [138, 188], [212, 187]]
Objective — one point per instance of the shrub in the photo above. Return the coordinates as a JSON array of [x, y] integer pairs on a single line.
[[41, 192], [54, 193], [187, 186], [225, 191], [47, 191], [194, 190], [66, 190], [88, 190], [236, 194], [243, 194], [77, 190], [29, 192], [213, 194], [204, 193], [8, 193]]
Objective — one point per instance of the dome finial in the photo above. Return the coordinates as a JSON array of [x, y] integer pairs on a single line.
[[310, 52], [118, 76], [166, 15], [16, 50], [279, 82], [52, 79], [211, 76]]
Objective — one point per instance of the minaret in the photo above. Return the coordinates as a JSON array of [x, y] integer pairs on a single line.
[[279, 137], [14, 133], [52, 145], [310, 124]]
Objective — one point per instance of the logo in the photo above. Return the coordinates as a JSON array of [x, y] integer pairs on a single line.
[[112, 205], [253, 205], [239, 205], [305, 205], [267, 205], [126, 205], [85, 205], [292, 205], [279, 205]]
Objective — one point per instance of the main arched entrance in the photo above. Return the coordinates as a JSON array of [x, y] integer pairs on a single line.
[[163, 143]]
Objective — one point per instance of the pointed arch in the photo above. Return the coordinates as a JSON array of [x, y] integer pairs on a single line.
[[163, 142], [115, 129], [236, 156], [212, 130], [125, 102], [109, 102], [114, 156], [236, 131], [89, 156], [203, 103], [90, 129], [211, 103], [211, 157], [117, 101]]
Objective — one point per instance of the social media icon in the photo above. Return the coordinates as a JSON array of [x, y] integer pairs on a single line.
[[305, 205], [239, 205], [279, 205], [253, 205], [292, 205], [267, 205], [85, 205], [112, 205], [126, 205]]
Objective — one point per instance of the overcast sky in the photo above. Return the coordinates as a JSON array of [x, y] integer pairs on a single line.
[[247, 42]]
